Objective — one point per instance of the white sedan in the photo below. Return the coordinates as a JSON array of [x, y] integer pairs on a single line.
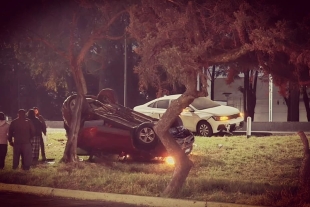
[[203, 116]]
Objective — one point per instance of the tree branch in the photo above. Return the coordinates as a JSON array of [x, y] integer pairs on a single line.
[[71, 43], [176, 3], [96, 35], [229, 56], [50, 45], [47, 43], [100, 30], [113, 38]]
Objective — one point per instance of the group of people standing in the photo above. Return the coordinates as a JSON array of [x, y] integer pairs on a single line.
[[25, 135]]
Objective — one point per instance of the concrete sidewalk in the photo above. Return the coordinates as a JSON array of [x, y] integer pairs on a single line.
[[110, 197]]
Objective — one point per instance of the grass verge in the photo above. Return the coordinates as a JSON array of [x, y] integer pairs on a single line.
[[255, 171]]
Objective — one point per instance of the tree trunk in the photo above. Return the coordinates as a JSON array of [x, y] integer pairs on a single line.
[[245, 94], [70, 149], [304, 178], [182, 163], [306, 101], [293, 106], [212, 82], [288, 105], [251, 98], [79, 108]]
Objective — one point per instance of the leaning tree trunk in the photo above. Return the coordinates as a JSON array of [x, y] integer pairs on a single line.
[[80, 107], [182, 163]]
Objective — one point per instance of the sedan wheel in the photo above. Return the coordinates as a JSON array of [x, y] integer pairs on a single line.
[[146, 136], [204, 129]]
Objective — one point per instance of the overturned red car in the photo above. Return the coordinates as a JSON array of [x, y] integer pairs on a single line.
[[110, 128]]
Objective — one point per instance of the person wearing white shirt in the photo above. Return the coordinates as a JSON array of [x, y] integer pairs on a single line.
[[4, 130]]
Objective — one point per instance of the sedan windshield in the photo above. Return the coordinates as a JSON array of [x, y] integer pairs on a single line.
[[202, 103]]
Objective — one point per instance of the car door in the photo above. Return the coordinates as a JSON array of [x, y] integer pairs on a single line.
[[160, 108], [189, 118], [146, 109]]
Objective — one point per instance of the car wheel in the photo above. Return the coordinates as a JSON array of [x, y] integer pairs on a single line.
[[204, 129], [145, 136]]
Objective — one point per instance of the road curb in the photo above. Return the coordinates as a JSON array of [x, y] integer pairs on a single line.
[[110, 197]]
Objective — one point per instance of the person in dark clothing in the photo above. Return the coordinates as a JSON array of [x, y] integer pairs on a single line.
[[22, 130], [4, 130], [37, 138], [40, 117]]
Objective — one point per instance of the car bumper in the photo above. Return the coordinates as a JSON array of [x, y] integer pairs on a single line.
[[229, 126]]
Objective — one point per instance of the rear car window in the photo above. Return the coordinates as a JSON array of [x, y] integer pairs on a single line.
[[152, 105], [163, 104]]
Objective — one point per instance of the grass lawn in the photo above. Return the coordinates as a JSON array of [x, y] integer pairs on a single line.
[[233, 169]]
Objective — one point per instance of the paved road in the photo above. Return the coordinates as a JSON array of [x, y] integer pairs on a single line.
[[9, 199]]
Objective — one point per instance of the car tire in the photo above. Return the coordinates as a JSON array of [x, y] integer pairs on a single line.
[[145, 136], [204, 129]]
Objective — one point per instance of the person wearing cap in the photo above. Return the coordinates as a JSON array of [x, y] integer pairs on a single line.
[[4, 130], [40, 117], [22, 130]]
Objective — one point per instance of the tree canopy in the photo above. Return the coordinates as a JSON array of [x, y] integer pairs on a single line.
[[49, 35], [180, 36]]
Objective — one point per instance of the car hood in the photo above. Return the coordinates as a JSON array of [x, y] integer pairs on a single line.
[[218, 111]]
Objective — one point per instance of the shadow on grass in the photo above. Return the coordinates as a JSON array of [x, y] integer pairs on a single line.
[[255, 134], [205, 161], [229, 187]]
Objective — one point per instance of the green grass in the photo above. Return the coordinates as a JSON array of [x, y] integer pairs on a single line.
[[226, 169]]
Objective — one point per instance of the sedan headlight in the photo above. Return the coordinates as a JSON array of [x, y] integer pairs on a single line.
[[220, 118]]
